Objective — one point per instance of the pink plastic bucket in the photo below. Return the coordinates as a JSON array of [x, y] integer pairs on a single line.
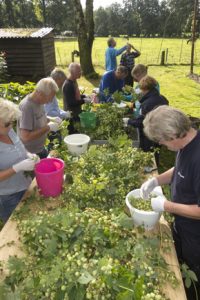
[[49, 174]]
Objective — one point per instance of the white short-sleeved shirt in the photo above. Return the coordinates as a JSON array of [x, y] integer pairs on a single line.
[[11, 154]]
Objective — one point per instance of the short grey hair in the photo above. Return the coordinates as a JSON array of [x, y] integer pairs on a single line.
[[46, 86], [58, 74], [9, 111], [165, 124], [73, 66]]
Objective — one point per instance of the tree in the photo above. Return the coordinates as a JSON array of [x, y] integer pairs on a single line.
[[101, 22], [85, 30]]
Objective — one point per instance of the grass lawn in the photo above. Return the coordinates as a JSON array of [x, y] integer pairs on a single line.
[[181, 91]]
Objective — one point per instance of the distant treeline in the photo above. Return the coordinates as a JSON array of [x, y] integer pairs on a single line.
[[148, 18]]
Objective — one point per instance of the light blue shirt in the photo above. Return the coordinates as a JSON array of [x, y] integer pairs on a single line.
[[52, 109], [11, 154], [111, 57]]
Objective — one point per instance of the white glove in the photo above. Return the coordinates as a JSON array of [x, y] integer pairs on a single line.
[[55, 120], [68, 114], [87, 100], [125, 121], [53, 126], [24, 165], [34, 157], [147, 187], [158, 203]]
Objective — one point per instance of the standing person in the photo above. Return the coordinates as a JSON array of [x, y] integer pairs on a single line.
[[128, 61], [112, 53], [111, 82], [172, 128], [150, 100], [33, 124], [14, 161], [53, 110], [72, 99]]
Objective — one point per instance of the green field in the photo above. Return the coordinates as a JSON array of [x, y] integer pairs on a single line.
[[181, 91]]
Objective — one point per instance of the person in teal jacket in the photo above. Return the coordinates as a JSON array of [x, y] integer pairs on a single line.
[[112, 53]]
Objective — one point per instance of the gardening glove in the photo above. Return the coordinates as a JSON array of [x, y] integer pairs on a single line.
[[53, 126], [55, 120], [158, 203], [24, 165], [34, 157], [125, 121], [147, 187], [87, 100], [68, 114]]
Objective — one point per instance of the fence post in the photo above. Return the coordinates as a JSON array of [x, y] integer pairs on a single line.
[[72, 54], [166, 57], [162, 61]]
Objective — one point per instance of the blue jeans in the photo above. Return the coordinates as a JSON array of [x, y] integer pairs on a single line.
[[8, 204]]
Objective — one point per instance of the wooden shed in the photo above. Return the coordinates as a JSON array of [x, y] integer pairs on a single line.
[[30, 52]]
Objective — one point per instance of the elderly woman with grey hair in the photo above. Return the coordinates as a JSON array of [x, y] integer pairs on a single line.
[[172, 128], [33, 124], [14, 161]]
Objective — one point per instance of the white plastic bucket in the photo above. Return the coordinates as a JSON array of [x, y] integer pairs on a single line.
[[148, 219], [77, 143]]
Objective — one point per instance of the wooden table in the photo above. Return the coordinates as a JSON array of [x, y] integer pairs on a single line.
[[10, 245]]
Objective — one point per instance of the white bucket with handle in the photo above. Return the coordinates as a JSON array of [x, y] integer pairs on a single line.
[[77, 144], [147, 219]]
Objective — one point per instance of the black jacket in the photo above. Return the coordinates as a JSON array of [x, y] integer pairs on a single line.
[[148, 102]]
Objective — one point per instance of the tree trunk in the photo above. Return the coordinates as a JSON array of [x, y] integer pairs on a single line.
[[85, 30]]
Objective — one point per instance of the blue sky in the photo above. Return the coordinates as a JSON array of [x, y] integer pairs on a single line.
[[103, 3]]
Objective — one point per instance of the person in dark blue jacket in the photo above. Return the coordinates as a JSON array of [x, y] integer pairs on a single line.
[[112, 53], [173, 129], [111, 82], [151, 99]]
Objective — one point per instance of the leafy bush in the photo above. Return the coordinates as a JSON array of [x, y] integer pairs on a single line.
[[86, 255], [3, 67], [15, 91]]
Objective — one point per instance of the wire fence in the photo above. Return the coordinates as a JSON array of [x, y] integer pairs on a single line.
[[173, 51]]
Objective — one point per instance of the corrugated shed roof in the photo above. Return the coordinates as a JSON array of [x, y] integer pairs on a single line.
[[24, 32]]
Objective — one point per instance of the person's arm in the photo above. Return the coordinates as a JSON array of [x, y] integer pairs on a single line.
[[119, 51], [185, 210], [5, 174], [137, 122], [105, 87], [30, 135], [166, 177], [136, 52]]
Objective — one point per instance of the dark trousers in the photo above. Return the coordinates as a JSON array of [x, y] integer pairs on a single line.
[[8, 203], [129, 79], [188, 251]]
